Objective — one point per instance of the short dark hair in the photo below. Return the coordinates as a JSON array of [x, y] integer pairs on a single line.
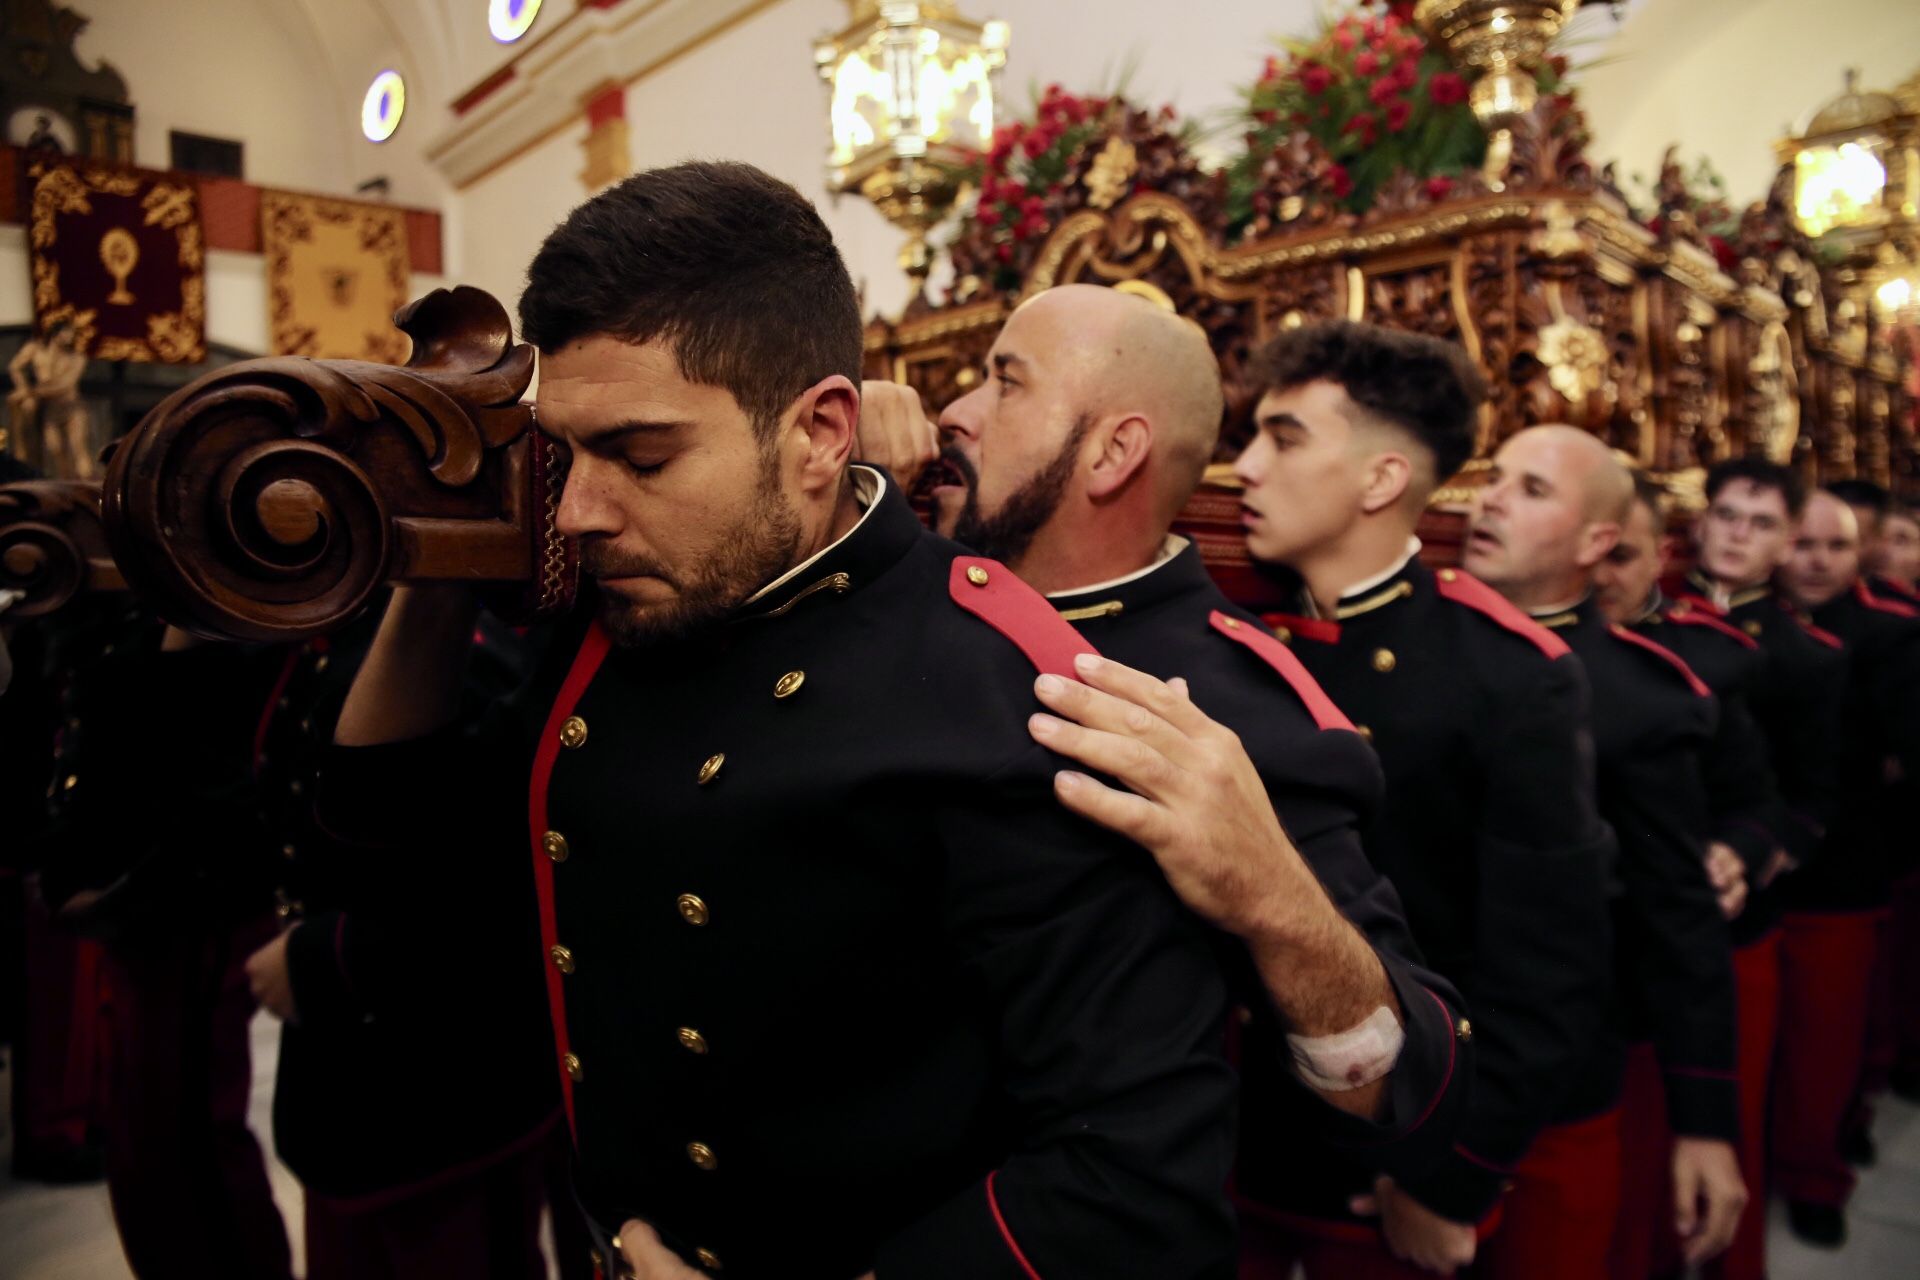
[[1651, 492], [731, 267], [1897, 510], [1861, 493], [1425, 386], [1761, 473]]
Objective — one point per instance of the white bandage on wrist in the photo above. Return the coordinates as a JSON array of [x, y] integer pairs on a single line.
[[1351, 1059]]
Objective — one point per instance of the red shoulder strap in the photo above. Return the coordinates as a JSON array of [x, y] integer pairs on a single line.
[[1881, 603], [1820, 634], [994, 594], [1281, 659], [1312, 628], [1693, 600], [1694, 682], [1686, 616], [593, 651], [1462, 587], [1904, 594]]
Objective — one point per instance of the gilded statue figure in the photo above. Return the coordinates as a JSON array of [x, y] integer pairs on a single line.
[[45, 404]]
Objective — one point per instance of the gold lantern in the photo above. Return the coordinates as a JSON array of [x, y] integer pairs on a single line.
[[1504, 40], [911, 90], [1856, 183]]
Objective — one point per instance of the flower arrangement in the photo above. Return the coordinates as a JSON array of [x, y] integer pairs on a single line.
[[1375, 95], [1075, 152]]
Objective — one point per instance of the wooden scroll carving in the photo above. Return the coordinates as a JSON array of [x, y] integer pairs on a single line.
[[270, 499], [53, 546]]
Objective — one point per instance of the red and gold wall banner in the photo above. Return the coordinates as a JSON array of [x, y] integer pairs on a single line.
[[336, 273], [118, 254]]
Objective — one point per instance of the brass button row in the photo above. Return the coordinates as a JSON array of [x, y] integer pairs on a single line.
[[571, 1062], [702, 1156], [562, 958], [573, 732], [692, 909], [710, 768], [692, 1041], [555, 846]]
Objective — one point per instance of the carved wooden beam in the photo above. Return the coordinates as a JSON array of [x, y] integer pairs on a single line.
[[53, 545], [270, 499]]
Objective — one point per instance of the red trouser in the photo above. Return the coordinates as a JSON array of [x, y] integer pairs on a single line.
[[1826, 968], [1756, 976], [481, 1226], [1644, 1243], [185, 1175], [60, 1052], [1876, 1064], [1558, 1219]]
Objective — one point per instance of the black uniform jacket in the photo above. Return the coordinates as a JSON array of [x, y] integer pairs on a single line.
[[1489, 832], [1879, 756], [1744, 799], [1324, 781], [385, 969], [1652, 718], [837, 982], [1796, 701]]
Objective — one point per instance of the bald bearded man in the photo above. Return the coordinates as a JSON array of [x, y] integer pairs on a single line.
[[1068, 463], [1549, 513]]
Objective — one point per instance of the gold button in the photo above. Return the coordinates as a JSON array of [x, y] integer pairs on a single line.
[[1463, 1029], [562, 958], [287, 851], [692, 910], [73, 780], [1233, 624], [710, 767], [977, 576], [708, 1259], [789, 684], [600, 1263], [1366, 734], [1383, 660], [1681, 606], [572, 1063], [573, 731], [320, 663], [690, 1040], [1448, 575], [555, 846], [1286, 636], [1752, 627], [702, 1156]]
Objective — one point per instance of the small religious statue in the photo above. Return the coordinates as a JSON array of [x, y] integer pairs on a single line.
[[45, 407]]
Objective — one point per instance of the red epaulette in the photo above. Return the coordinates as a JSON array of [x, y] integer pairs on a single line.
[[995, 594], [1904, 594], [1281, 659], [1679, 664], [1820, 634], [1686, 614], [1880, 603], [1311, 628], [1462, 587], [1693, 600]]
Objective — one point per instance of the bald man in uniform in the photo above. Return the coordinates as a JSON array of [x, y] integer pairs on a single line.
[[1549, 513], [1833, 902], [1069, 463]]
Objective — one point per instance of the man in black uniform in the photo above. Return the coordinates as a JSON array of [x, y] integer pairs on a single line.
[[1889, 540], [838, 988], [1746, 818], [1069, 462], [1478, 717], [1548, 514], [1739, 540], [1833, 903]]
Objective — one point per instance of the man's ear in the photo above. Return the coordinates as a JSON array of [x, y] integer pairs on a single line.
[[826, 424], [1385, 482], [1123, 451], [1598, 538]]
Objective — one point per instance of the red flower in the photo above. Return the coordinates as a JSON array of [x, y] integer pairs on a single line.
[[1439, 188], [1267, 117], [1003, 251], [1340, 182], [988, 216], [1409, 43], [1344, 37], [1383, 91], [987, 187], [1035, 145], [1397, 113], [1033, 207], [1559, 64], [1031, 227], [1447, 88], [1724, 254], [1315, 79], [1407, 73], [1367, 63], [1271, 70]]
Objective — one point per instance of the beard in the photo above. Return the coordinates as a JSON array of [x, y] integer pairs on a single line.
[[750, 555], [1006, 534]]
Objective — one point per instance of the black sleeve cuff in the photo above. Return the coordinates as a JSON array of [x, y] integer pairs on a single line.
[[1703, 1104], [317, 967], [964, 1239], [1458, 1188], [1426, 1092]]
